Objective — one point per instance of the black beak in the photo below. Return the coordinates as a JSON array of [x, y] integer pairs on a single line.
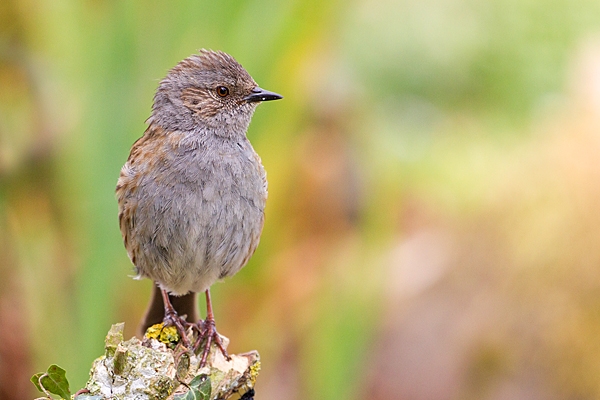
[[259, 94]]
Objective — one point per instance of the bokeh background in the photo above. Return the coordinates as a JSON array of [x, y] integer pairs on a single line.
[[433, 225]]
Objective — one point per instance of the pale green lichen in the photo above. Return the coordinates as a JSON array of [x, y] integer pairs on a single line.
[[113, 338]]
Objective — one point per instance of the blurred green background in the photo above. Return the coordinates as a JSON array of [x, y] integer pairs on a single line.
[[433, 225]]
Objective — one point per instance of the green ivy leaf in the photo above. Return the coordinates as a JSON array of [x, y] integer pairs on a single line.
[[54, 380], [35, 379], [199, 389]]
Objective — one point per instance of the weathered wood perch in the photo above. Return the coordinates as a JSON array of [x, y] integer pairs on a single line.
[[156, 368]]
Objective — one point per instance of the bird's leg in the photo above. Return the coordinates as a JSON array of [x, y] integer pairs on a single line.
[[173, 319], [208, 333]]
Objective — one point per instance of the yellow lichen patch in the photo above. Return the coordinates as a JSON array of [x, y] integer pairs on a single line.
[[165, 334], [248, 385], [254, 370]]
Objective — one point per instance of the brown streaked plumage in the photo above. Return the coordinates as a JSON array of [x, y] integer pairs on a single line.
[[193, 190]]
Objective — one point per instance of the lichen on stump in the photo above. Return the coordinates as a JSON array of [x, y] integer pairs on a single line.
[[159, 368]]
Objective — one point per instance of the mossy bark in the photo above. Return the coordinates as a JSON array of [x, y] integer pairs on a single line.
[[158, 368]]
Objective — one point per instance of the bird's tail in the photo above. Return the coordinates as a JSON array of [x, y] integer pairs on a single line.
[[184, 305]]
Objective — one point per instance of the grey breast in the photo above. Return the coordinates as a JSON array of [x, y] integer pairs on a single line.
[[206, 216]]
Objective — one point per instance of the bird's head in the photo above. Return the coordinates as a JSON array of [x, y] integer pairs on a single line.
[[208, 90]]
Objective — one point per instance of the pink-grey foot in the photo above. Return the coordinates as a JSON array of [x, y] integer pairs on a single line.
[[173, 319], [208, 334]]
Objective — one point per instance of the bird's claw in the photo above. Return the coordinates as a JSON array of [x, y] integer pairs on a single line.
[[173, 319], [207, 334]]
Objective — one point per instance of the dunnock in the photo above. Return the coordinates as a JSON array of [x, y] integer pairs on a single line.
[[192, 192]]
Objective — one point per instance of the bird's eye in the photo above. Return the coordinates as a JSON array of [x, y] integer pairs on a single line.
[[222, 91]]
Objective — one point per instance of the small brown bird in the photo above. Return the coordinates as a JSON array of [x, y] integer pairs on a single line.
[[192, 193]]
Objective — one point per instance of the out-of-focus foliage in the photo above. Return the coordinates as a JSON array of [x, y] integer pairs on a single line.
[[433, 224]]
